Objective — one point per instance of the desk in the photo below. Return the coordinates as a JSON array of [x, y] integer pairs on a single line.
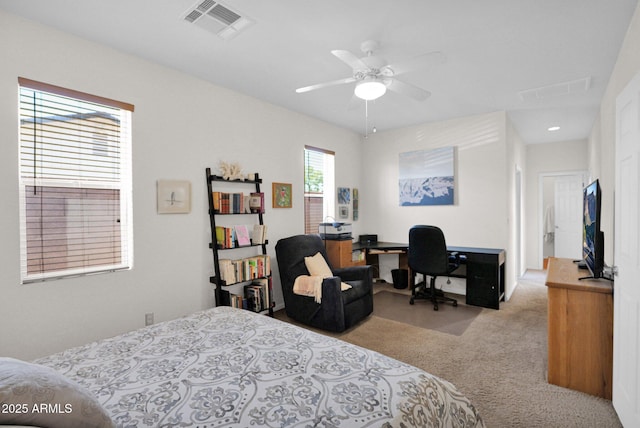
[[483, 269], [580, 330]]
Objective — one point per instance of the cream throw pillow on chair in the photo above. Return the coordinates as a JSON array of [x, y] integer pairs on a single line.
[[317, 266], [311, 285]]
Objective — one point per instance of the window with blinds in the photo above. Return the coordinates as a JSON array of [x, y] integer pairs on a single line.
[[319, 197], [75, 183]]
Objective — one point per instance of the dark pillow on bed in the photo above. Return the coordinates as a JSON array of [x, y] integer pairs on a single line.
[[32, 394]]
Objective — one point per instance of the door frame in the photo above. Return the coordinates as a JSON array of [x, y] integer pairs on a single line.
[[519, 230], [541, 176]]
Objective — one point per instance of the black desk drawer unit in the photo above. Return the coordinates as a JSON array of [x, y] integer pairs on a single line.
[[485, 279]]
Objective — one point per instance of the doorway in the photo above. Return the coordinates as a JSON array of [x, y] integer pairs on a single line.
[[560, 215]]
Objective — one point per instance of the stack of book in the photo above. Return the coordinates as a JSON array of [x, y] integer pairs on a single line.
[[234, 271], [225, 237], [238, 203], [257, 295], [229, 203], [236, 301], [239, 236]]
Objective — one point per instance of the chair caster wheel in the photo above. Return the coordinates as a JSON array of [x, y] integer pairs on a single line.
[[435, 308], [411, 302], [455, 303]]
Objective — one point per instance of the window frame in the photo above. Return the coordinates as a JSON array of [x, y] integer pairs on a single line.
[[93, 188], [327, 194]]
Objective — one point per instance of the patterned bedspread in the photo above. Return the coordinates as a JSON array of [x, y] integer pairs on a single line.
[[229, 367]]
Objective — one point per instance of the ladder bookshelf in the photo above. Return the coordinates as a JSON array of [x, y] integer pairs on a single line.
[[250, 274]]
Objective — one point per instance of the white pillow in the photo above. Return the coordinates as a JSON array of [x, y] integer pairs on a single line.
[[317, 266], [33, 394]]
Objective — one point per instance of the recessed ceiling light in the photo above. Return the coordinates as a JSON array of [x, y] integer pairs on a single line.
[[553, 128]]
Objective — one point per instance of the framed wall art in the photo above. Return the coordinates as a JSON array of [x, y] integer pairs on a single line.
[[356, 203], [281, 195], [426, 177], [173, 196], [344, 195]]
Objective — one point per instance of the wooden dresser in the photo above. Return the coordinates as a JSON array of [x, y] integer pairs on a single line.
[[580, 329]]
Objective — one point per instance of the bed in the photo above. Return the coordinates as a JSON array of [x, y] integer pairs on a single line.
[[226, 367]]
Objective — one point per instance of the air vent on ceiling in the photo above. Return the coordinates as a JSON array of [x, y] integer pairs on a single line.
[[217, 18], [573, 87]]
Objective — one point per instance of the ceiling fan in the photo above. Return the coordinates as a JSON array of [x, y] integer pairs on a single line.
[[373, 76]]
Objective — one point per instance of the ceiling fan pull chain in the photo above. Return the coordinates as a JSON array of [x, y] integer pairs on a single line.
[[366, 119]]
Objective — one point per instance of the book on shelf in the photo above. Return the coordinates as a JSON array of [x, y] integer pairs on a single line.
[[242, 235], [247, 204], [259, 235]]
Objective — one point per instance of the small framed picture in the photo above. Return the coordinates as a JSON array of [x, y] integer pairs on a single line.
[[173, 196], [281, 195], [343, 211], [356, 209], [344, 195]]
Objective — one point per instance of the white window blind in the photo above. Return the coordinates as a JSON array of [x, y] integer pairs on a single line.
[[75, 183], [319, 197]]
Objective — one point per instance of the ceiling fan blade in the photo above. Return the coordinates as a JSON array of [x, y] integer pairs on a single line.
[[415, 63], [408, 90], [350, 59], [325, 84]]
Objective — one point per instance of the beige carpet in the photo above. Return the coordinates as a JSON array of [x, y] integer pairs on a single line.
[[447, 319], [499, 362]]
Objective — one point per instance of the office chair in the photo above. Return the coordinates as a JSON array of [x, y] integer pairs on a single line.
[[428, 255]]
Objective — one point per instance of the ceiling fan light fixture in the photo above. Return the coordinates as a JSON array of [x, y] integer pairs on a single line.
[[370, 89]]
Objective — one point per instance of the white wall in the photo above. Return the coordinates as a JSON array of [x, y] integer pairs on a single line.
[[181, 125], [516, 165], [546, 159], [484, 178]]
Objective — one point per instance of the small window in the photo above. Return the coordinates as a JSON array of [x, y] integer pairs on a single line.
[[75, 183], [319, 197]]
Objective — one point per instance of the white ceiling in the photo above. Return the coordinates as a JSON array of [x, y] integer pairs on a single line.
[[494, 50]]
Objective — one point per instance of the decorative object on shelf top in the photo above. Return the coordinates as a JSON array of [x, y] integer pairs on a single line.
[[230, 171]]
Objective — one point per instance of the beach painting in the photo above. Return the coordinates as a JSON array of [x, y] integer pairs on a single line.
[[426, 177]]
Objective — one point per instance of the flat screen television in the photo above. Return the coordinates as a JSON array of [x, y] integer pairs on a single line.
[[592, 236]]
